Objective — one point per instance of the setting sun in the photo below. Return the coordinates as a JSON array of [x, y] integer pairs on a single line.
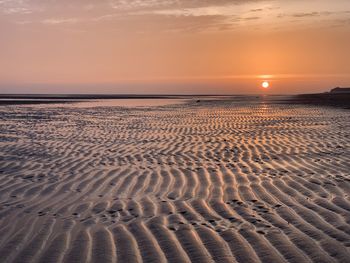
[[265, 84]]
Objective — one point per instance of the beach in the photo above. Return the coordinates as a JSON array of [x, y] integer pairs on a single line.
[[228, 179]]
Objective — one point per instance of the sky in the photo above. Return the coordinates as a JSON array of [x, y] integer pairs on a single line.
[[173, 46]]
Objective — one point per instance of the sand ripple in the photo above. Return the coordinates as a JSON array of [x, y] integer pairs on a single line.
[[215, 181]]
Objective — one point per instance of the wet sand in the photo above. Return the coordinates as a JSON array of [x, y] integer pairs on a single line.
[[214, 181]]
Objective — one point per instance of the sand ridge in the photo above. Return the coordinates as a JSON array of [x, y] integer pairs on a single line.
[[215, 181]]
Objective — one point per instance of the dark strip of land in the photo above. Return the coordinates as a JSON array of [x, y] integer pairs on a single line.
[[27, 99], [324, 99], [100, 96]]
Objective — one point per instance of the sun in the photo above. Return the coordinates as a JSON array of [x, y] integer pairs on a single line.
[[265, 84]]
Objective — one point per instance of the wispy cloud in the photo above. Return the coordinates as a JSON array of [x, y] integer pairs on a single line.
[[312, 14], [16, 7], [220, 14], [57, 21]]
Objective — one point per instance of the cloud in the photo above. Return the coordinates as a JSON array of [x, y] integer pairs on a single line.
[[57, 21], [306, 14], [172, 4], [17, 10], [15, 7], [221, 14]]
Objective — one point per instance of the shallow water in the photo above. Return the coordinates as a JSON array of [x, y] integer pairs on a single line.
[[131, 103], [92, 103]]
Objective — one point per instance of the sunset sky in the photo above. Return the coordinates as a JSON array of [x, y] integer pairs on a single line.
[[173, 46]]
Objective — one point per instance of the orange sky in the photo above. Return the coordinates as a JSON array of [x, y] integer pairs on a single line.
[[173, 46]]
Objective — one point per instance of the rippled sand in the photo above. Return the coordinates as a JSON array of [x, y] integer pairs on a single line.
[[212, 181]]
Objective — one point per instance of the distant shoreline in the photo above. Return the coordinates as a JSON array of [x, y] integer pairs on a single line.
[[321, 99], [28, 99], [324, 99], [110, 96], [36, 99]]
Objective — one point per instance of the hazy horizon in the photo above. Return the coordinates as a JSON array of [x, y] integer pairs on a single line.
[[173, 47]]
